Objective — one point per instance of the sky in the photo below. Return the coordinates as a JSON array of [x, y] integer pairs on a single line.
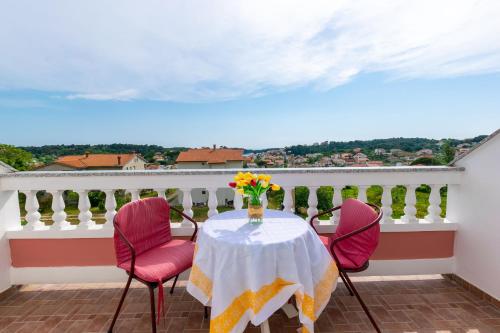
[[247, 74]]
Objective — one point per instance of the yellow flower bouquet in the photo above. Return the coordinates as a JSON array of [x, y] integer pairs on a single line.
[[253, 186]]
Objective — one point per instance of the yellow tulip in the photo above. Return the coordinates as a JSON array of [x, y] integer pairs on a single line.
[[268, 178], [262, 177], [242, 183], [240, 191], [264, 184], [275, 187]]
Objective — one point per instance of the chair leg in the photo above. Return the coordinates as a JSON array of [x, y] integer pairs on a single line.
[[363, 305], [152, 301], [173, 285], [127, 286], [345, 283], [206, 312]]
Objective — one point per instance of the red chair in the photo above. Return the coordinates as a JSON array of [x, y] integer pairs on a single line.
[[354, 241], [146, 250]]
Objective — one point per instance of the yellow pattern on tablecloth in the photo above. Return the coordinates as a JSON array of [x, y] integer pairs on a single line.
[[310, 306], [248, 300], [200, 280]]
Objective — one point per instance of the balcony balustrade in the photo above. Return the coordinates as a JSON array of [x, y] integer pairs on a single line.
[[30, 183]]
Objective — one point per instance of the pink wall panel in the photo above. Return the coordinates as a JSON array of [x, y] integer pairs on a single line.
[[100, 251]]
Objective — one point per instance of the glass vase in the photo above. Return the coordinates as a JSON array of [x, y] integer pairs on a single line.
[[255, 211]]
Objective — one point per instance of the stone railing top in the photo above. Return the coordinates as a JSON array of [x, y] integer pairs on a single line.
[[185, 172]]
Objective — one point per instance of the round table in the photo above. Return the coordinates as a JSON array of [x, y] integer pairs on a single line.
[[246, 272]]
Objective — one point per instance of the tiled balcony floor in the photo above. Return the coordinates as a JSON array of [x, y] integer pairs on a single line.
[[411, 305]]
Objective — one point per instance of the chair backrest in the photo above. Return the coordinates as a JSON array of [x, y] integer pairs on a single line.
[[354, 215], [144, 223]]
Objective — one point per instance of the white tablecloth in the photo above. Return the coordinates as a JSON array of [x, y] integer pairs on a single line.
[[247, 272]]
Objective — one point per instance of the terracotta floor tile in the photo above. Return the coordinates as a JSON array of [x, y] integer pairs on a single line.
[[435, 305]]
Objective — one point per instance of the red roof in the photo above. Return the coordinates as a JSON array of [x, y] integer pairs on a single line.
[[211, 156], [95, 160]]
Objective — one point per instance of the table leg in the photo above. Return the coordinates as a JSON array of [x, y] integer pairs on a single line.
[[264, 327]]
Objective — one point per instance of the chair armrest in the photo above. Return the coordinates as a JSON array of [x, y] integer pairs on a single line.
[[129, 245], [187, 218], [321, 214]]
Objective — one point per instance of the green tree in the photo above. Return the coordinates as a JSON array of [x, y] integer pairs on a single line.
[[426, 161], [15, 157], [447, 153]]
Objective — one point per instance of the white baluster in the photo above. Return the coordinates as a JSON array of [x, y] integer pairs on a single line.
[[161, 193], [288, 200], [337, 201], [387, 204], [263, 199], [187, 205], [410, 201], [434, 215], [312, 202], [212, 201], [59, 215], [85, 215], [238, 200], [362, 196], [110, 205], [32, 214], [135, 195]]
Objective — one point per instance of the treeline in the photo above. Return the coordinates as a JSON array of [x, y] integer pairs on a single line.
[[51, 152], [406, 144]]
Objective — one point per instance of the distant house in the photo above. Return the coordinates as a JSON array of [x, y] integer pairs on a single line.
[[154, 166], [338, 161], [89, 161], [379, 151], [346, 156], [460, 151], [424, 153], [158, 157], [5, 168], [375, 163], [360, 158], [396, 151], [210, 158]]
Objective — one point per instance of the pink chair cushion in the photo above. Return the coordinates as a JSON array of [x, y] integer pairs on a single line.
[[164, 261], [145, 223], [344, 261], [326, 241], [355, 251]]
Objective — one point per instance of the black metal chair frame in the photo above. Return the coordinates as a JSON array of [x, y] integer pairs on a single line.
[[151, 285], [342, 270]]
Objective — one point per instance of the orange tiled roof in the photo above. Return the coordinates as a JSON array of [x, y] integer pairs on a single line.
[[94, 160], [211, 156]]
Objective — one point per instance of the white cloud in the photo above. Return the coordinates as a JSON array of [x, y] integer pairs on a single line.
[[212, 50], [124, 95]]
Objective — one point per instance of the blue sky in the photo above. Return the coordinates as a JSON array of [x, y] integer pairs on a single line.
[[371, 106], [250, 74]]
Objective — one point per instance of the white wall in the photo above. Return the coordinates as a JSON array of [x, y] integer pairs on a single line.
[[9, 220], [135, 164], [475, 205]]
